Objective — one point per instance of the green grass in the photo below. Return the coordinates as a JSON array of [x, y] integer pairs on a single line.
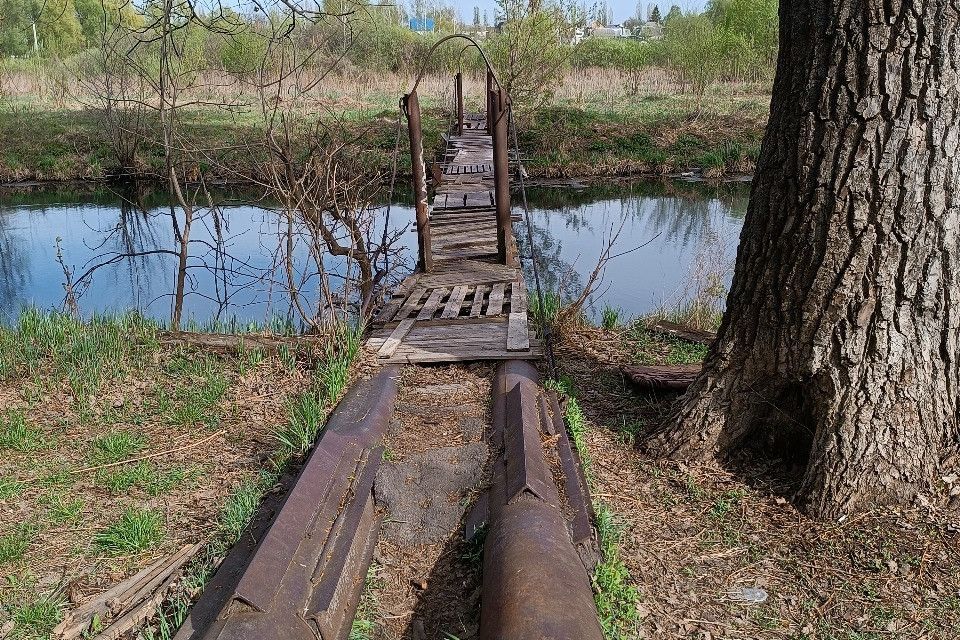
[[85, 353], [60, 508], [37, 618], [117, 446], [144, 475], [242, 504], [615, 595], [16, 434], [364, 626], [9, 488], [14, 544], [610, 317], [136, 531], [305, 418]]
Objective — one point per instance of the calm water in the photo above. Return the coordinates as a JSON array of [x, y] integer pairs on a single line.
[[685, 229]]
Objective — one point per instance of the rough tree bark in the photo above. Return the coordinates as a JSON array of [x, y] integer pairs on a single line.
[[840, 342]]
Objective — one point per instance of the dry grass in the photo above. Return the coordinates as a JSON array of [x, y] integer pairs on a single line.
[[695, 532]]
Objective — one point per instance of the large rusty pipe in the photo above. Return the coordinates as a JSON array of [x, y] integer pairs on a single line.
[[411, 105], [304, 578], [506, 253], [534, 583], [458, 90]]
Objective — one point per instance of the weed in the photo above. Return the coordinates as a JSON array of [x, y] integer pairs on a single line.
[[136, 531], [305, 418], [197, 403], [122, 480], [60, 509], [610, 317], [14, 544], [364, 627], [545, 309], [616, 597], [722, 505], [16, 434], [9, 488], [38, 618], [117, 446], [240, 507]]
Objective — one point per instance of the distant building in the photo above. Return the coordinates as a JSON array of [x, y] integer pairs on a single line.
[[650, 31], [423, 25], [610, 31]]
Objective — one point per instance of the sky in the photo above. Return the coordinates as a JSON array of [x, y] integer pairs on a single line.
[[621, 9]]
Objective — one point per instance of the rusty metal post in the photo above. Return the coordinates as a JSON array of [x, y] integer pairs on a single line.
[[458, 89], [411, 105], [506, 250], [489, 94]]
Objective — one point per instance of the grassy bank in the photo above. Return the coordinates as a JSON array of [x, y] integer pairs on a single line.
[[594, 127], [118, 449]]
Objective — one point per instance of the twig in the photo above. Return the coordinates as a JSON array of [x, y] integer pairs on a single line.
[[149, 456]]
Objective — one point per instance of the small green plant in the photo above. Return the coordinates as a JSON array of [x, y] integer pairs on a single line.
[[136, 531], [36, 619], [545, 309], [610, 317], [14, 544], [615, 595], [305, 418], [9, 488], [240, 507], [60, 509], [16, 434], [117, 446], [121, 480]]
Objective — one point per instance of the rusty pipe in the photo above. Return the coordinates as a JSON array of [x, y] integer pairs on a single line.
[[534, 583]]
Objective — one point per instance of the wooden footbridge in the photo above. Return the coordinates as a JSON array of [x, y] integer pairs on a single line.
[[467, 300], [300, 573]]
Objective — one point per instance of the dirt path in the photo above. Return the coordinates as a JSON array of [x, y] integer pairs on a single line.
[[425, 581]]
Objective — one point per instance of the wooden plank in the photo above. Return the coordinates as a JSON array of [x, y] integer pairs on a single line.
[[412, 302], [477, 307], [452, 310], [390, 344], [430, 306], [518, 333], [518, 297], [390, 308], [495, 305]]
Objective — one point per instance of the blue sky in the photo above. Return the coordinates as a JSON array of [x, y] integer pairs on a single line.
[[621, 9]]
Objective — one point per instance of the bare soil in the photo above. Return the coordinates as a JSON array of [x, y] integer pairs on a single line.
[[425, 581]]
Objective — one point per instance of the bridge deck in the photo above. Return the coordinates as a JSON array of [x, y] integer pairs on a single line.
[[468, 307]]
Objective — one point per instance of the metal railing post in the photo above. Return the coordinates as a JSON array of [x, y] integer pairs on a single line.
[[489, 93], [501, 178], [411, 105], [458, 86]]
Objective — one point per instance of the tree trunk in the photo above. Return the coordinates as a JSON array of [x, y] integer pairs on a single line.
[[840, 342]]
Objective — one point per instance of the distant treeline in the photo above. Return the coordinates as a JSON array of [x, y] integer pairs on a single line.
[[732, 39]]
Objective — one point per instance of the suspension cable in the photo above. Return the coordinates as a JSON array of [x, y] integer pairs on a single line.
[[545, 327]]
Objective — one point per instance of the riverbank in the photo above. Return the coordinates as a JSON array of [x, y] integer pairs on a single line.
[[650, 136], [704, 550]]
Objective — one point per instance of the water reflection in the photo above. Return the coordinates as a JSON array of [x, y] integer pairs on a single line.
[[667, 234], [237, 267]]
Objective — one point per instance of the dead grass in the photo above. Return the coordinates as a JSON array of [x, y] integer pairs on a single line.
[[77, 521], [695, 533]]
